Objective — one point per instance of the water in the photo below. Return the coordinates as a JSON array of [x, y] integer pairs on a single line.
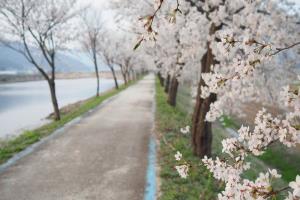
[[25, 105]]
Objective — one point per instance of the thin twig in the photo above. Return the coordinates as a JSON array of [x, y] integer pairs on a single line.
[[284, 48]]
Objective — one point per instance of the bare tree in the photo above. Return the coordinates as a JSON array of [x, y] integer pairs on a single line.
[[42, 25], [107, 51], [93, 26], [124, 73], [124, 59]]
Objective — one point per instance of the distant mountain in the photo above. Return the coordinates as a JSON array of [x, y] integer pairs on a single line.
[[66, 61]]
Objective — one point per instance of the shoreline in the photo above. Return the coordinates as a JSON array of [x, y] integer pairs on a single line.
[[16, 102], [12, 147], [18, 78], [47, 117]]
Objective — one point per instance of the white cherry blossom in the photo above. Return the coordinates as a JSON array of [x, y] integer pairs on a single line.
[[178, 156], [182, 170]]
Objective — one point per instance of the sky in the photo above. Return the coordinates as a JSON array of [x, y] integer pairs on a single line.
[[102, 6], [295, 1], [97, 3]]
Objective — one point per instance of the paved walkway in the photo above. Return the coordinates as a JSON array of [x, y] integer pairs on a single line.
[[103, 157]]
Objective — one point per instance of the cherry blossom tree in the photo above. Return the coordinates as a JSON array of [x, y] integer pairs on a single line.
[[39, 24], [125, 58], [202, 132], [91, 38], [131, 62], [243, 36], [215, 16], [106, 50]]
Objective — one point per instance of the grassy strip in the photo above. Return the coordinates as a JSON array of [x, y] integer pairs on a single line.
[[284, 160], [200, 184], [9, 148]]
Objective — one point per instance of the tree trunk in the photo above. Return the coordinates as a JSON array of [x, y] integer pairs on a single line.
[[128, 76], [173, 92], [98, 83], [167, 85], [124, 78], [97, 74], [201, 129], [161, 79], [115, 78], [51, 84], [98, 80]]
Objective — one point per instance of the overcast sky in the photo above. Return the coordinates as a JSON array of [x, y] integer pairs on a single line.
[[102, 6], [97, 3]]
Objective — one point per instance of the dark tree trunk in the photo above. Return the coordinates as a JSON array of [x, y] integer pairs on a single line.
[[97, 75], [115, 77], [51, 84], [124, 78], [128, 76], [167, 84], [161, 79], [173, 91], [98, 83], [201, 129]]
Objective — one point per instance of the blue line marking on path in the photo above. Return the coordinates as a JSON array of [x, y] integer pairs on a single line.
[[150, 191]]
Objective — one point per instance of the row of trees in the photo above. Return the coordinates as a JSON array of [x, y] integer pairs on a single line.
[[234, 52], [50, 26], [196, 40]]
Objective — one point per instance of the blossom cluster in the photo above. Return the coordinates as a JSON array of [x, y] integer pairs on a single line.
[[244, 48], [182, 169], [229, 170], [267, 131], [185, 130]]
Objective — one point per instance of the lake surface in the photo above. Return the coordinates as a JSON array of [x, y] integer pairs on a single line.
[[25, 105]]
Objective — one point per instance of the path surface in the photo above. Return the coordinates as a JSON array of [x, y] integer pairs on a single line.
[[103, 157]]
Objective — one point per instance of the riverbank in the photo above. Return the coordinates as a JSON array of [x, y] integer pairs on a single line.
[[101, 155], [199, 183], [25, 105], [11, 147], [14, 78]]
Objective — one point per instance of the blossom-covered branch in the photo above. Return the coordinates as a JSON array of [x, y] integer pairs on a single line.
[[148, 21]]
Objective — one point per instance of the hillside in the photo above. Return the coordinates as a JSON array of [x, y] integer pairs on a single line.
[[12, 62]]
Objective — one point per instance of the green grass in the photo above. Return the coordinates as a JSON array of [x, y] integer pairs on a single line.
[[200, 183], [279, 157], [228, 122], [9, 148], [183, 102]]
